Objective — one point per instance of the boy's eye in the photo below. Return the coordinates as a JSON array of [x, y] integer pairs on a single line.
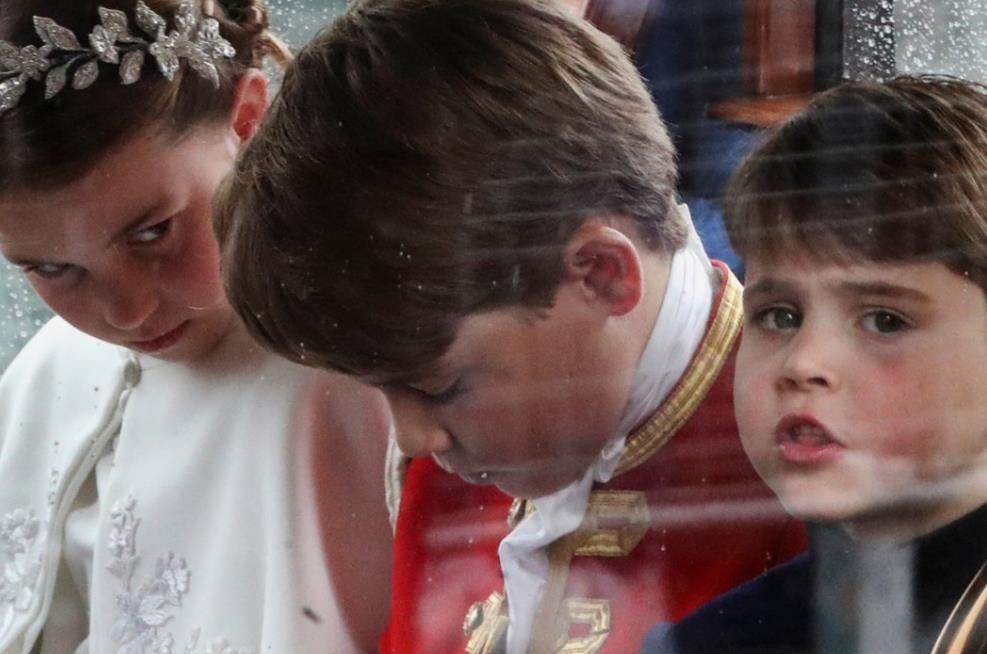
[[152, 233], [447, 396], [883, 322], [778, 318], [47, 270]]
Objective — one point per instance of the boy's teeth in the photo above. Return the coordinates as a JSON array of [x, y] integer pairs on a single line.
[[809, 434]]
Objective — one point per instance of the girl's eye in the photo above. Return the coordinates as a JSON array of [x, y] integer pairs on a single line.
[[152, 233], [778, 318], [47, 270], [884, 322]]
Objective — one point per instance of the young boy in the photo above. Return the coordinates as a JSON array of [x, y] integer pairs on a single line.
[[470, 203], [861, 372]]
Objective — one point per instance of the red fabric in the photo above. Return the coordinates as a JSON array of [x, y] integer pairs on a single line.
[[714, 525]]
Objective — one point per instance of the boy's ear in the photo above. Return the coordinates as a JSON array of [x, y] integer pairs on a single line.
[[606, 265], [249, 103]]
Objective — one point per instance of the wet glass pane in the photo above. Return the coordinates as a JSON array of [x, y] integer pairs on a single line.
[[942, 36], [21, 313], [885, 37]]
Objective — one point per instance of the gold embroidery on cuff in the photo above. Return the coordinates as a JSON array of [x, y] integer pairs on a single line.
[[486, 626], [593, 613], [615, 523]]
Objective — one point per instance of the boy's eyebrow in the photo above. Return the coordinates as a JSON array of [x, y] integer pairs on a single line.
[[768, 286], [885, 289]]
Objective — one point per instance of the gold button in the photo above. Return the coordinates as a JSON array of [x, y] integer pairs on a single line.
[[474, 618]]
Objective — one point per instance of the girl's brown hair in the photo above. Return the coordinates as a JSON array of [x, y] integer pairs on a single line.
[[46, 144], [885, 172]]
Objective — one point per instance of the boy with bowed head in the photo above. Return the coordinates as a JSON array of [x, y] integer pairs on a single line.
[[861, 373], [470, 204], [154, 486]]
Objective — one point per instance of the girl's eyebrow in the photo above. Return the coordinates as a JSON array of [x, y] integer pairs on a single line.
[[119, 235], [126, 230]]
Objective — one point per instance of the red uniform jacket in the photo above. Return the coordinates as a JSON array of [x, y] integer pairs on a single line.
[[684, 519]]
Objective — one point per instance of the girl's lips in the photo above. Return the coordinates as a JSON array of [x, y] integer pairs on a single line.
[[162, 342], [803, 440]]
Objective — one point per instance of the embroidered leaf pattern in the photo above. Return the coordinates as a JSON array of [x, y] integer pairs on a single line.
[[21, 544], [145, 610]]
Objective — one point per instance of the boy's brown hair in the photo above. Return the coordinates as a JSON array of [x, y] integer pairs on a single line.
[[429, 159], [886, 172]]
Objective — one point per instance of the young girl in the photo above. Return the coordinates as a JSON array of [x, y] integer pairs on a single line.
[[152, 458]]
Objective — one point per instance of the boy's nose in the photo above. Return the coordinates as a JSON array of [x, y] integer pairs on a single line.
[[418, 432], [808, 365]]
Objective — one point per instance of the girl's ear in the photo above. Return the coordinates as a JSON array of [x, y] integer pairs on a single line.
[[607, 266], [249, 103]]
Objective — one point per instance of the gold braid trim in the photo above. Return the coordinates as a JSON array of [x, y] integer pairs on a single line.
[[396, 469], [961, 634], [705, 367]]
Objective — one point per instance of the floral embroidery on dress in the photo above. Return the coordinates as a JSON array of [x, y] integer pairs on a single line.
[[223, 646], [20, 563], [147, 608]]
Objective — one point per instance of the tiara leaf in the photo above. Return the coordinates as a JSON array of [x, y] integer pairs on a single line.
[[185, 19], [55, 35], [8, 55], [114, 20], [61, 57], [11, 91], [55, 81], [85, 75], [149, 21], [130, 67], [103, 42]]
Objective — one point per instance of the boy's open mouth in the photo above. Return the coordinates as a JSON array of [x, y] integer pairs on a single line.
[[803, 440]]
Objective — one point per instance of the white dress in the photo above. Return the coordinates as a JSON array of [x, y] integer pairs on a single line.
[[154, 507]]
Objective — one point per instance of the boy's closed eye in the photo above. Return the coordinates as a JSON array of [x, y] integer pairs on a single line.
[[447, 395]]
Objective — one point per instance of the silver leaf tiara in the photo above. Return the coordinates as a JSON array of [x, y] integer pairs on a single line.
[[194, 39]]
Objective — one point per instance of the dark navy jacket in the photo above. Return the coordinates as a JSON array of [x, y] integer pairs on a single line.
[[841, 594]]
